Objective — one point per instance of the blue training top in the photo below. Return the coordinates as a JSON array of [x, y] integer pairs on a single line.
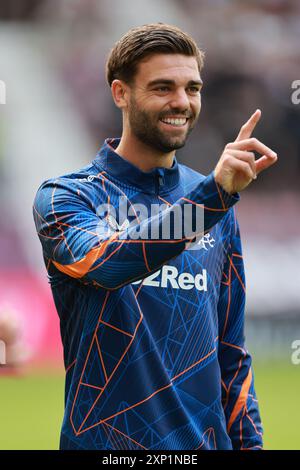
[[152, 328]]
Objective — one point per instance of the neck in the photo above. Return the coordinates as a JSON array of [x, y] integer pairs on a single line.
[[141, 155]]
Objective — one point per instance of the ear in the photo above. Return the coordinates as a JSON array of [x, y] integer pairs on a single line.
[[120, 93]]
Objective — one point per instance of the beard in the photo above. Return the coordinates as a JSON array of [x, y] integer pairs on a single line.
[[144, 126]]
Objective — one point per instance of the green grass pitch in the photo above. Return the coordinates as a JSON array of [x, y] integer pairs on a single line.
[[32, 407]]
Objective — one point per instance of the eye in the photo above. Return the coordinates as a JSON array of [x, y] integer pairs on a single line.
[[163, 89], [194, 89]]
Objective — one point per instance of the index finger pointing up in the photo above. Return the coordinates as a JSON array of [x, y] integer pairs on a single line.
[[249, 126]]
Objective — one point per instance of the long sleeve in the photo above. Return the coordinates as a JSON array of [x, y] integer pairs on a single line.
[[238, 393], [80, 243]]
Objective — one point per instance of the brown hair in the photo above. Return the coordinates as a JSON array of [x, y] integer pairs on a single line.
[[145, 40]]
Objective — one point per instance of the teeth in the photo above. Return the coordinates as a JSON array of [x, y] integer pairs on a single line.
[[175, 122]]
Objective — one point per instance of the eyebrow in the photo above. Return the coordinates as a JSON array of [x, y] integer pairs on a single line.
[[165, 81]]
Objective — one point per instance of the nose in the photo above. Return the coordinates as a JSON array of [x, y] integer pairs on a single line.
[[180, 100]]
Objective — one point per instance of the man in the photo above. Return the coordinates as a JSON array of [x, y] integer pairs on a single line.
[[152, 325]]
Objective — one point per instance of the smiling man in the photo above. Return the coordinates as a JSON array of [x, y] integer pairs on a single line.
[[151, 303], [150, 120]]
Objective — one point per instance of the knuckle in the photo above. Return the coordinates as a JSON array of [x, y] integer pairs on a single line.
[[251, 156], [229, 145], [228, 157]]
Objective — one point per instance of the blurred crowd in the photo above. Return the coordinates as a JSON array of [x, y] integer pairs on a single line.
[[252, 58]]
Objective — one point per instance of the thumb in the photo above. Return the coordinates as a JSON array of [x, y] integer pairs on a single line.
[[265, 162]]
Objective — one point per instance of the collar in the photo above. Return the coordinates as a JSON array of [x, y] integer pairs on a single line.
[[159, 180]]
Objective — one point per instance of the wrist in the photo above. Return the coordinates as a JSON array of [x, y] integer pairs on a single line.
[[227, 193]]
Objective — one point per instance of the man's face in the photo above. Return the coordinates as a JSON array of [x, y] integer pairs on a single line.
[[165, 101]]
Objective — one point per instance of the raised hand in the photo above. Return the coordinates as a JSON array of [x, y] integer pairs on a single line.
[[237, 166]]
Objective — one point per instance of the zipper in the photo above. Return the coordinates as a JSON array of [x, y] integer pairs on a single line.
[[160, 179]]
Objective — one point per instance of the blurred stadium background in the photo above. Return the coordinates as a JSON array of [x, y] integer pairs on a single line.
[[58, 111]]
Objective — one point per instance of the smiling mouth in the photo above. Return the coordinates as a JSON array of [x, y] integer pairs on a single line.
[[175, 122]]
